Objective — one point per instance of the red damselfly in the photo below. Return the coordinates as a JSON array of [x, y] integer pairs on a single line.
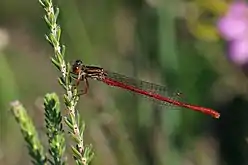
[[83, 72]]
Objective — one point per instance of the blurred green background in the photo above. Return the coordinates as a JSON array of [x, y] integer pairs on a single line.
[[166, 42]]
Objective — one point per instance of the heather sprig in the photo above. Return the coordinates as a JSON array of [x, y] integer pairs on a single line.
[[82, 154], [54, 129], [53, 119], [29, 133]]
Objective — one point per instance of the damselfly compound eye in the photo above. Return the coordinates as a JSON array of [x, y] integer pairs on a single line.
[[77, 66]]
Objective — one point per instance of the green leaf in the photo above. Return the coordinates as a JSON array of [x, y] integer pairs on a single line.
[[47, 21], [48, 39], [63, 51], [56, 63], [62, 82], [67, 101], [58, 32], [68, 123], [75, 138], [76, 153], [56, 13]]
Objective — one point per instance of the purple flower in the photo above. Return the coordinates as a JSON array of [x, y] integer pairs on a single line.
[[234, 28], [239, 51]]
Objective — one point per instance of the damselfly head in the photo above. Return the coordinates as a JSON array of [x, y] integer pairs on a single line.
[[77, 67]]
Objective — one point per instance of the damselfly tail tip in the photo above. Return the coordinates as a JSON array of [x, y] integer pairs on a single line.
[[211, 112], [217, 115]]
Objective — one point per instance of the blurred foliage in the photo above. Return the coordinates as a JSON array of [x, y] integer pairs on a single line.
[[201, 17], [167, 42], [9, 90]]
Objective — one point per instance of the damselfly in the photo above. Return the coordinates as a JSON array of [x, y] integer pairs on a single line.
[[83, 72]]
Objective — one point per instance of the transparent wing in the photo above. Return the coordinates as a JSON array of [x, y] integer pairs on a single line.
[[145, 86]]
